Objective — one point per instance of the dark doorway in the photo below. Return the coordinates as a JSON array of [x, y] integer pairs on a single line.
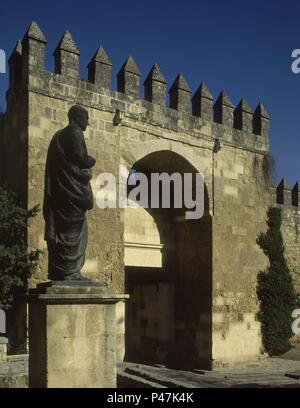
[[168, 317], [149, 315]]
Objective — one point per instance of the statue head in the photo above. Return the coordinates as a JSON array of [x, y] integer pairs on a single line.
[[77, 114]]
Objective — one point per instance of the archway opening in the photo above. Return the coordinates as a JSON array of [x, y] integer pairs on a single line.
[[168, 268]]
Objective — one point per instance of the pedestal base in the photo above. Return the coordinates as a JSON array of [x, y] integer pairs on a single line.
[[72, 335]]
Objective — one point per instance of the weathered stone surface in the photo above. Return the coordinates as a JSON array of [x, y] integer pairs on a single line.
[[35, 33], [67, 43], [129, 78], [180, 93], [155, 86], [284, 194], [33, 49], [223, 110], [290, 232], [202, 102], [99, 69], [17, 50], [66, 57], [261, 120], [72, 337], [243, 117]]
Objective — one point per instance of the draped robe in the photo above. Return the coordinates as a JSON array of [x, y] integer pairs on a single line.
[[67, 197]]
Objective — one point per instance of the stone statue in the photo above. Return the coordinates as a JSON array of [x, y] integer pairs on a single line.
[[67, 197]]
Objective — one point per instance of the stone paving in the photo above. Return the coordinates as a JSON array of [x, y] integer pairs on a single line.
[[14, 372], [270, 372]]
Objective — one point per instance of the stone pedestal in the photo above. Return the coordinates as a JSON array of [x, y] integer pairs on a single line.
[[72, 335]]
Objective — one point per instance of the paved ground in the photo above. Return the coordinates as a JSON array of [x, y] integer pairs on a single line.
[[14, 372], [270, 372]]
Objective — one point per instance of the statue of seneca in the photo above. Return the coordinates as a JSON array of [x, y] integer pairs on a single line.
[[67, 197]]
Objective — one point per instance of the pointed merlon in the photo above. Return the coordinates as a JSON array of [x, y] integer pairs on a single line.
[[33, 46], [16, 51], [261, 121], [99, 69], [130, 66], [155, 86], [283, 193], [244, 106], [34, 32], [261, 111], [180, 94], [202, 103], [180, 83], [243, 117], [129, 78], [223, 110], [101, 57], [296, 194], [202, 92], [67, 43], [283, 185], [155, 75], [18, 47], [15, 65], [223, 99], [66, 57], [297, 187]]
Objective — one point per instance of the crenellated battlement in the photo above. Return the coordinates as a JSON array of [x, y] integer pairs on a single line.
[[239, 126], [284, 195]]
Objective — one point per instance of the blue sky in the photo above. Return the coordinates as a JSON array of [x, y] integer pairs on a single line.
[[243, 47]]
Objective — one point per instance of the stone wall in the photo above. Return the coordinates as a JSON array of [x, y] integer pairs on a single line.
[[287, 199], [290, 231], [240, 212]]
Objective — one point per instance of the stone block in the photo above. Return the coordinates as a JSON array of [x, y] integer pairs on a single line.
[[231, 190], [72, 336], [218, 317]]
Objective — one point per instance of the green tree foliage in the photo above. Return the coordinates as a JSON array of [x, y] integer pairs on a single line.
[[16, 262], [275, 289]]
